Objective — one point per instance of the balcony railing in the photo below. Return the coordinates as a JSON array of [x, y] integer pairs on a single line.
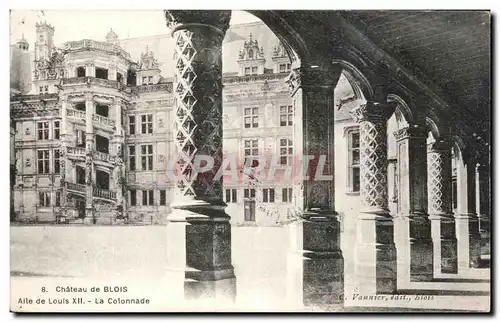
[[87, 44], [103, 120], [75, 114], [165, 87], [77, 187], [93, 81], [101, 156], [75, 152], [105, 194]]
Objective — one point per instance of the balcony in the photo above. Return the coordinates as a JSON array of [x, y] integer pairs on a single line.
[[88, 44], [101, 120], [76, 187], [104, 194], [89, 81], [74, 152], [105, 157], [75, 114]]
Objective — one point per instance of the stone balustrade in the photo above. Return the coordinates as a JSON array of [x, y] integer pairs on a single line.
[[75, 187], [103, 120], [88, 44], [101, 156], [75, 151], [76, 114], [102, 193]]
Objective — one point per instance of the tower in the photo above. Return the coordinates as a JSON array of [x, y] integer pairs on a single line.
[[251, 58], [44, 41], [23, 45], [281, 60], [112, 37]]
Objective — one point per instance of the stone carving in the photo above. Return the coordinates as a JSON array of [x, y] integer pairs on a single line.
[[198, 98], [251, 50], [417, 131], [316, 78], [438, 181], [372, 119], [27, 131], [148, 60], [216, 18], [28, 163]]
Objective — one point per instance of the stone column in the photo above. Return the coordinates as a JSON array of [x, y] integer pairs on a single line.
[[439, 206], [112, 72], [315, 264], [63, 152], [198, 229], [483, 204], [90, 69], [118, 141], [376, 269], [468, 238], [89, 156], [412, 197]]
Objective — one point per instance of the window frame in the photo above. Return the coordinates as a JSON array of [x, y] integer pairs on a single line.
[[147, 157], [231, 195], [287, 114], [148, 197], [44, 199], [133, 197], [56, 130], [253, 114], [132, 157], [288, 147], [43, 131], [287, 195], [163, 197], [351, 185], [57, 161], [45, 161], [147, 124], [132, 125]]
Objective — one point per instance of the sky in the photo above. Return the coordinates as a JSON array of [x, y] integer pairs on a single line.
[[81, 24]]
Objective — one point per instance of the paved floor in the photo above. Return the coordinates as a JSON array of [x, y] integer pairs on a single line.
[[137, 254]]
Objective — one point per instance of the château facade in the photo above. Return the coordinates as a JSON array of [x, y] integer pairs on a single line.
[[93, 130]]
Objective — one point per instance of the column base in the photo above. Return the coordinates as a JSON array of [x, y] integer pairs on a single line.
[[376, 266], [445, 243], [89, 217], [421, 249], [316, 265], [199, 254]]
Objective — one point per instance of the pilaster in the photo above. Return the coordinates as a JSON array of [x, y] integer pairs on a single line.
[[316, 252], [198, 226], [439, 204], [412, 206], [376, 269], [89, 155]]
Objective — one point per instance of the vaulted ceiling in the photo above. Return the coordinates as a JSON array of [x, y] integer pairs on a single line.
[[451, 48]]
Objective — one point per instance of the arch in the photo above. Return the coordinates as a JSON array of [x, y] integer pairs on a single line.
[[293, 43], [434, 129], [403, 111]]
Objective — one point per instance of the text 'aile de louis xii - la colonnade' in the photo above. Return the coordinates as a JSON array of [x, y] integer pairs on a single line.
[[200, 228]]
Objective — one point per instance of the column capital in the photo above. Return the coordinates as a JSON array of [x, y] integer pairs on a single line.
[[183, 19], [373, 111], [89, 96], [440, 146], [411, 132], [322, 79]]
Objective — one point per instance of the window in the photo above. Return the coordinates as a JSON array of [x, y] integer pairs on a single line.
[[254, 70], [286, 151], [119, 78], [251, 150], [231, 195], [44, 199], [454, 192], [147, 198], [353, 161], [43, 161], [251, 117], [101, 73], [285, 68], [147, 157], [131, 124], [80, 138], [41, 89], [57, 130], [247, 71], [102, 110], [163, 198], [286, 115], [80, 72], [43, 130], [46, 89], [150, 79], [57, 163], [144, 80], [131, 157], [249, 193], [287, 194], [133, 197], [80, 106], [147, 124], [58, 198], [268, 195]]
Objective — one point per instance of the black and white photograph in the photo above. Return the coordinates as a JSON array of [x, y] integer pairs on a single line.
[[250, 161]]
